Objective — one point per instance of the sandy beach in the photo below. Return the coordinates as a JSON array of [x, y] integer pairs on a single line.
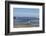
[[24, 25]]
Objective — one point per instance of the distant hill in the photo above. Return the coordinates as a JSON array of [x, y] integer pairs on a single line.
[[27, 18]]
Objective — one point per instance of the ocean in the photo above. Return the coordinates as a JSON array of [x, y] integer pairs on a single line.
[[33, 21]]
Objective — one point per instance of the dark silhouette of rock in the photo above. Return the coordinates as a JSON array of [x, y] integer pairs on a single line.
[[14, 17]]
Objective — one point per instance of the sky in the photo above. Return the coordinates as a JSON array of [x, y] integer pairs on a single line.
[[26, 12]]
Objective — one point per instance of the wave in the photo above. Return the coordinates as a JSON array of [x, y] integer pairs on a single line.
[[25, 20]]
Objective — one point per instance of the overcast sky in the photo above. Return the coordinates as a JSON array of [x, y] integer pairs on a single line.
[[25, 12]]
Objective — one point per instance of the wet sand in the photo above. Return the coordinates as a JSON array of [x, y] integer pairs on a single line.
[[22, 25]]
